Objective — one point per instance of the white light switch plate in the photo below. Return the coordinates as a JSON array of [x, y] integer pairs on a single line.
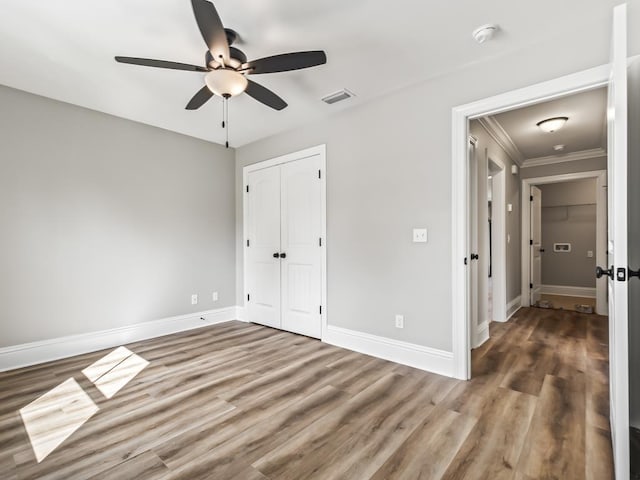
[[590, 253], [194, 299], [419, 235]]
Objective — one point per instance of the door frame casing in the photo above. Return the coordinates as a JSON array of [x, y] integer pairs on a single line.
[[460, 116], [318, 150], [601, 229], [499, 242]]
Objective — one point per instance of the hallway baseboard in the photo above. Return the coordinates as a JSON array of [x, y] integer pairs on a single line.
[[513, 306], [568, 291]]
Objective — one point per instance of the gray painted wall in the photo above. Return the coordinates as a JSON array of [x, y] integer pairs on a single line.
[[489, 149], [389, 170], [569, 215], [106, 222]]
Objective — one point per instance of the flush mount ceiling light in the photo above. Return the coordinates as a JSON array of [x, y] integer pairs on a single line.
[[551, 125], [558, 148], [484, 33]]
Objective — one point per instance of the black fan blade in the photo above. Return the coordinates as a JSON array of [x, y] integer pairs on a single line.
[[211, 28], [200, 98], [148, 62], [264, 95], [286, 62]]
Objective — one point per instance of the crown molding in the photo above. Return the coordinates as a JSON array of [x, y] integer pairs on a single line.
[[502, 138], [569, 157]]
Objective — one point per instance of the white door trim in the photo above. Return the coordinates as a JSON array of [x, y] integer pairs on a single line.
[[499, 245], [320, 150], [460, 116], [601, 230]]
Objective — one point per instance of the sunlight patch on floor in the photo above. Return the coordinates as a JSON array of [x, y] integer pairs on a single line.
[[111, 382], [52, 418], [97, 369], [115, 370]]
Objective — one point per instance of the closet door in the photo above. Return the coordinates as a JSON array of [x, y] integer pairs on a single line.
[[263, 236], [301, 229]]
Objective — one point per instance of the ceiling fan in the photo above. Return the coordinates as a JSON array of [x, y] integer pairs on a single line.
[[226, 67]]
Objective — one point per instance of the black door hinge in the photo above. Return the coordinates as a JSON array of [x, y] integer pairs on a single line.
[[530, 242], [320, 241], [319, 173], [248, 297], [247, 242], [247, 188], [531, 198], [531, 285], [320, 309], [465, 260]]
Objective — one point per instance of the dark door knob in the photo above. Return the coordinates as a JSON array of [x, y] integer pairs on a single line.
[[542, 250], [276, 255], [474, 256], [634, 273], [601, 272], [283, 255]]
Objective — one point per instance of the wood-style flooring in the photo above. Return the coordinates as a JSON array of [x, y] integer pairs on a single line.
[[241, 401]]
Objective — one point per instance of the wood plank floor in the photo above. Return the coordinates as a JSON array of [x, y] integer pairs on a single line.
[[241, 401]]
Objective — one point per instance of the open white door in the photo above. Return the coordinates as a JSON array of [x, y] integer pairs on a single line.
[[472, 242], [535, 243], [617, 246]]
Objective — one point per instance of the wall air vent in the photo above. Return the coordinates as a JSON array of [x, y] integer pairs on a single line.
[[337, 96]]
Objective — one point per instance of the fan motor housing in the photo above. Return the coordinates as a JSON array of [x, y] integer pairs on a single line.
[[237, 58]]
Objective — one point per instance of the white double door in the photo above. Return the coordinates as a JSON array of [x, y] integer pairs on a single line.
[[284, 246]]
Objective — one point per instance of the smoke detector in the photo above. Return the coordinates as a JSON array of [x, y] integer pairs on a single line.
[[484, 33], [338, 96]]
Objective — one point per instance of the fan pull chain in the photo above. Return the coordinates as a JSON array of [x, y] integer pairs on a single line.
[[226, 102]]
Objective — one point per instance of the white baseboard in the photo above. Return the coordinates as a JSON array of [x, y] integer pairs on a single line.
[[33, 353], [513, 306], [241, 313], [568, 291], [417, 356], [482, 335]]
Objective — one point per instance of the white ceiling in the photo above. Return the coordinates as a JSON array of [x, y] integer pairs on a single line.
[[64, 50], [584, 131]]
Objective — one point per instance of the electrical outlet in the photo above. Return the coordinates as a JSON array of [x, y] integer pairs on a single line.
[[194, 299], [214, 296], [399, 321], [590, 253]]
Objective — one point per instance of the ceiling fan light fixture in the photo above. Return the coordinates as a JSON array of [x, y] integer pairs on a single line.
[[226, 82], [551, 125]]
